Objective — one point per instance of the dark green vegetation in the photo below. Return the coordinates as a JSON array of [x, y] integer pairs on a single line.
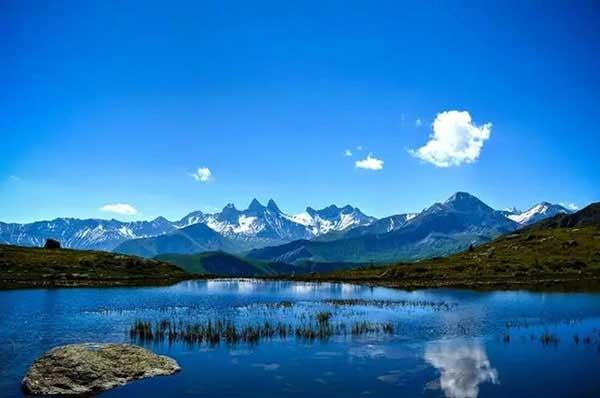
[[560, 252], [39, 267], [219, 263], [317, 326], [224, 264]]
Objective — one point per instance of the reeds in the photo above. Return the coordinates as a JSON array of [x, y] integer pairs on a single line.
[[317, 327]]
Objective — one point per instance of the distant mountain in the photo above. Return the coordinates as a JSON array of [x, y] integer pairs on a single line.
[[91, 234], [442, 229], [381, 226], [536, 213], [192, 239]]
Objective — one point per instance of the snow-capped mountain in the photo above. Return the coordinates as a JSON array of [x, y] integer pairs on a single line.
[[82, 234], [260, 225], [536, 213], [257, 226], [331, 219]]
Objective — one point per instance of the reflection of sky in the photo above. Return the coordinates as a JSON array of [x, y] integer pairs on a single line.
[[463, 367]]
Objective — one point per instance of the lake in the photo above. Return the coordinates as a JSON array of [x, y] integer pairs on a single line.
[[441, 343]]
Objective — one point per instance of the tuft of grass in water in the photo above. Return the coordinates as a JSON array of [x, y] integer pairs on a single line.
[[317, 327]]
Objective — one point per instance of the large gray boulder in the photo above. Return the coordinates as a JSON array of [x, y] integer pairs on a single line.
[[78, 369]]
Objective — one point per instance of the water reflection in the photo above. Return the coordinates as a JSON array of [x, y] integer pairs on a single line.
[[463, 367]]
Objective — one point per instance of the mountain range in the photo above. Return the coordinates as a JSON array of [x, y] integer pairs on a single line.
[[257, 226], [332, 234]]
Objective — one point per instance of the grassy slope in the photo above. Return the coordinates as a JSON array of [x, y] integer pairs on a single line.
[[223, 264], [560, 251], [37, 267]]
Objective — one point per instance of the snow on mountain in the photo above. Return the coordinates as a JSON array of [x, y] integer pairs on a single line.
[[259, 225], [536, 213], [332, 218], [82, 234]]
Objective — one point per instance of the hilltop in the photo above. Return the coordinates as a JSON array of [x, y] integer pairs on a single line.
[[39, 267]]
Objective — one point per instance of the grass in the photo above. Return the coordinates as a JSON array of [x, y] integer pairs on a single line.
[[318, 327], [25, 267], [531, 258]]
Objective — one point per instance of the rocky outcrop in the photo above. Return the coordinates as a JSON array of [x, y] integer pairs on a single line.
[[80, 369]]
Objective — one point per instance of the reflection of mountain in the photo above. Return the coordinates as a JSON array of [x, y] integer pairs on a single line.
[[463, 367]]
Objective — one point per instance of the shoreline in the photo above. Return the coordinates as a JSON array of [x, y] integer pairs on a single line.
[[568, 284]]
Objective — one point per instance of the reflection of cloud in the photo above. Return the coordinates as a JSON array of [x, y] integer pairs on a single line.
[[463, 367]]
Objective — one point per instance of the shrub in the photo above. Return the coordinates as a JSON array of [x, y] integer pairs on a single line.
[[52, 244]]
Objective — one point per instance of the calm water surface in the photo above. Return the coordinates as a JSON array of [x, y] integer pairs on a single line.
[[450, 343]]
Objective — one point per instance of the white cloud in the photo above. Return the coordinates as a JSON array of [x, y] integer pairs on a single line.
[[203, 174], [369, 163], [14, 178], [455, 140], [347, 152], [570, 205], [418, 122], [120, 208], [359, 148]]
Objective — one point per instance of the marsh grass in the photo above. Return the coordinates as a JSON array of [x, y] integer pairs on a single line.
[[316, 327]]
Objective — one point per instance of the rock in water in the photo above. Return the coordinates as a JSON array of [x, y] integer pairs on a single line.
[[78, 369]]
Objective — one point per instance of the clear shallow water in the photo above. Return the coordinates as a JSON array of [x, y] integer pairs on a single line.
[[454, 345]]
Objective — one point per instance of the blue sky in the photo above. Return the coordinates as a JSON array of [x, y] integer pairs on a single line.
[[107, 103]]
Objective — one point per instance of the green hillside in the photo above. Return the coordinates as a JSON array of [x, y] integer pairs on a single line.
[[562, 251], [38, 267], [224, 264]]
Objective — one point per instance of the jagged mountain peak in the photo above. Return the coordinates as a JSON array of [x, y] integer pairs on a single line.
[[255, 205], [229, 206], [271, 205]]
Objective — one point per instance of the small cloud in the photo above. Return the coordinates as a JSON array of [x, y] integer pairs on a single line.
[[120, 208], [369, 163], [455, 140], [14, 178], [569, 205], [203, 174], [359, 148], [418, 122], [347, 152]]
